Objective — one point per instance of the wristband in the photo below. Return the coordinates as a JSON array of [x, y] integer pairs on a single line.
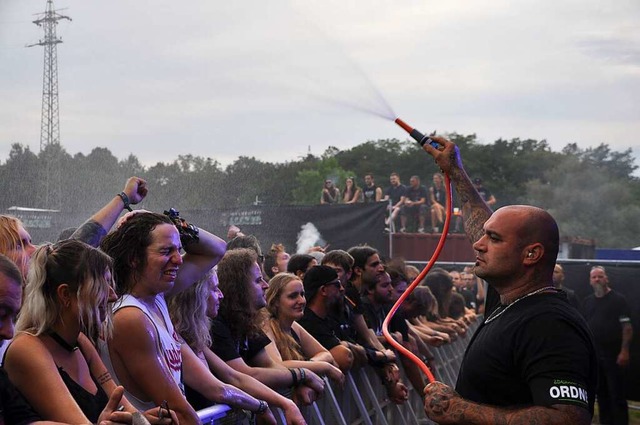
[[262, 407], [303, 375], [294, 378], [188, 232], [125, 200]]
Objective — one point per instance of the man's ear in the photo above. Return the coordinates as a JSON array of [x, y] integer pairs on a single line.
[[533, 253], [357, 271]]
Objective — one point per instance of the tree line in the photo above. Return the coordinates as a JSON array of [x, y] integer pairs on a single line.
[[591, 192]]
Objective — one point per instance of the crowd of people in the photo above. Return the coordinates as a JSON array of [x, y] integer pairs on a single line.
[[417, 208], [145, 318]]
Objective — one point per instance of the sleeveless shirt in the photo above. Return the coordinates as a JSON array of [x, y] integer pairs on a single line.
[[167, 340]]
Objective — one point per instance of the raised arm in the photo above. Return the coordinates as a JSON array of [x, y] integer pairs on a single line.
[[98, 225], [200, 257], [474, 210]]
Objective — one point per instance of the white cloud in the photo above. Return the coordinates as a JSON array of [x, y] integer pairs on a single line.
[[268, 79]]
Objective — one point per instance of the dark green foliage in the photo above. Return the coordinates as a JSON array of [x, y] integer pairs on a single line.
[[592, 192]]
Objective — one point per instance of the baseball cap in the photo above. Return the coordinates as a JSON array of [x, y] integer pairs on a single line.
[[316, 277]]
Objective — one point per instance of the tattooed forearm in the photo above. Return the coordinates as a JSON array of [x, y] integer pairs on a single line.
[[445, 406], [90, 232], [105, 377], [474, 210]]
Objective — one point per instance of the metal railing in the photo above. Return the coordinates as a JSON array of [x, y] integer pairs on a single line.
[[363, 400]]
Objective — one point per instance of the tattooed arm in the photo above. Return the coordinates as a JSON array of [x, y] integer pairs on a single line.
[[444, 406], [474, 210], [98, 225]]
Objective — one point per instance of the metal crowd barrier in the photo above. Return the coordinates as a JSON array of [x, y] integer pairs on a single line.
[[363, 400]]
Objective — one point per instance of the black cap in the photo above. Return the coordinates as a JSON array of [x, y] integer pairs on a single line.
[[316, 277]]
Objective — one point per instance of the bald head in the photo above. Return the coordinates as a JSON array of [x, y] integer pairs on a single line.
[[535, 225]]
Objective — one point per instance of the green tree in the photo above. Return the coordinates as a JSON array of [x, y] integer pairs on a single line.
[[20, 182], [309, 182], [588, 204]]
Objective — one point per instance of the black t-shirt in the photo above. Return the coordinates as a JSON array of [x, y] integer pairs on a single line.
[[439, 195], [225, 346], [369, 193], [538, 352], [415, 194], [605, 317], [469, 298], [352, 297], [321, 329], [14, 409], [374, 317], [395, 193]]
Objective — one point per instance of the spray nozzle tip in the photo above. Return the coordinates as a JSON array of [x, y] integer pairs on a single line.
[[404, 125]]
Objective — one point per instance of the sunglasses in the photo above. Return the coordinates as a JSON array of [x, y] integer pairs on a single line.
[[336, 282]]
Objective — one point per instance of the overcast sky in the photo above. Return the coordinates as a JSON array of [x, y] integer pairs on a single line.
[[275, 78]]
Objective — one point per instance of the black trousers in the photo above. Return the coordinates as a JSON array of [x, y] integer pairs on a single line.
[[612, 400]]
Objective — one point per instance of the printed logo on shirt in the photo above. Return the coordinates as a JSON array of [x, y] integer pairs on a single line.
[[173, 358], [567, 391]]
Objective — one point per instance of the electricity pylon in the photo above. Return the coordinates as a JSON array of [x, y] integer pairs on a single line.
[[50, 119]]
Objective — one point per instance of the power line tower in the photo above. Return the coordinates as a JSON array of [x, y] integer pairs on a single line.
[[50, 120]]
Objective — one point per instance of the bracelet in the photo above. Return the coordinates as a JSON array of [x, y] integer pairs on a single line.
[[303, 375], [125, 200], [262, 407], [294, 378]]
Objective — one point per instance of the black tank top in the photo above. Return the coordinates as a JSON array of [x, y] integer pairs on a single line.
[[90, 404]]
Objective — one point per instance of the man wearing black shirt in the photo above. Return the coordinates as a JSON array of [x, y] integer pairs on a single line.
[[370, 191], [533, 358], [396, 194], [415, 204], [607, 314]]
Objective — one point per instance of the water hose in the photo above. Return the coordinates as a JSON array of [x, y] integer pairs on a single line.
[[422, 139]]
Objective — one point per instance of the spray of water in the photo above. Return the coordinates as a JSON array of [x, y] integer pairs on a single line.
[[308, 237], [350, 87]]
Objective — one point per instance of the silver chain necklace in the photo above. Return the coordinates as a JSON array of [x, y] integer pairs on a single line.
[[493, 316]]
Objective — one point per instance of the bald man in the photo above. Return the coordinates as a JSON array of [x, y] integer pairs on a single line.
[[533, 358]]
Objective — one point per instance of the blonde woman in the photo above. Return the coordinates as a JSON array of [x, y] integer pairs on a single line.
[[52, 359], [15, 242], [293, 344], [191, 313]]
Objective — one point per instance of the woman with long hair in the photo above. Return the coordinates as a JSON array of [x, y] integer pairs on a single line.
[[191, 313], [52, 359], [351, 193], [15, 242], [293, 344]]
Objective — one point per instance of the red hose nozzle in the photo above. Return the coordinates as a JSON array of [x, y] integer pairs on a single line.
[[419, 137]]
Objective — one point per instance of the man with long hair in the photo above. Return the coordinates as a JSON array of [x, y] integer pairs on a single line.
[[236, 333]]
